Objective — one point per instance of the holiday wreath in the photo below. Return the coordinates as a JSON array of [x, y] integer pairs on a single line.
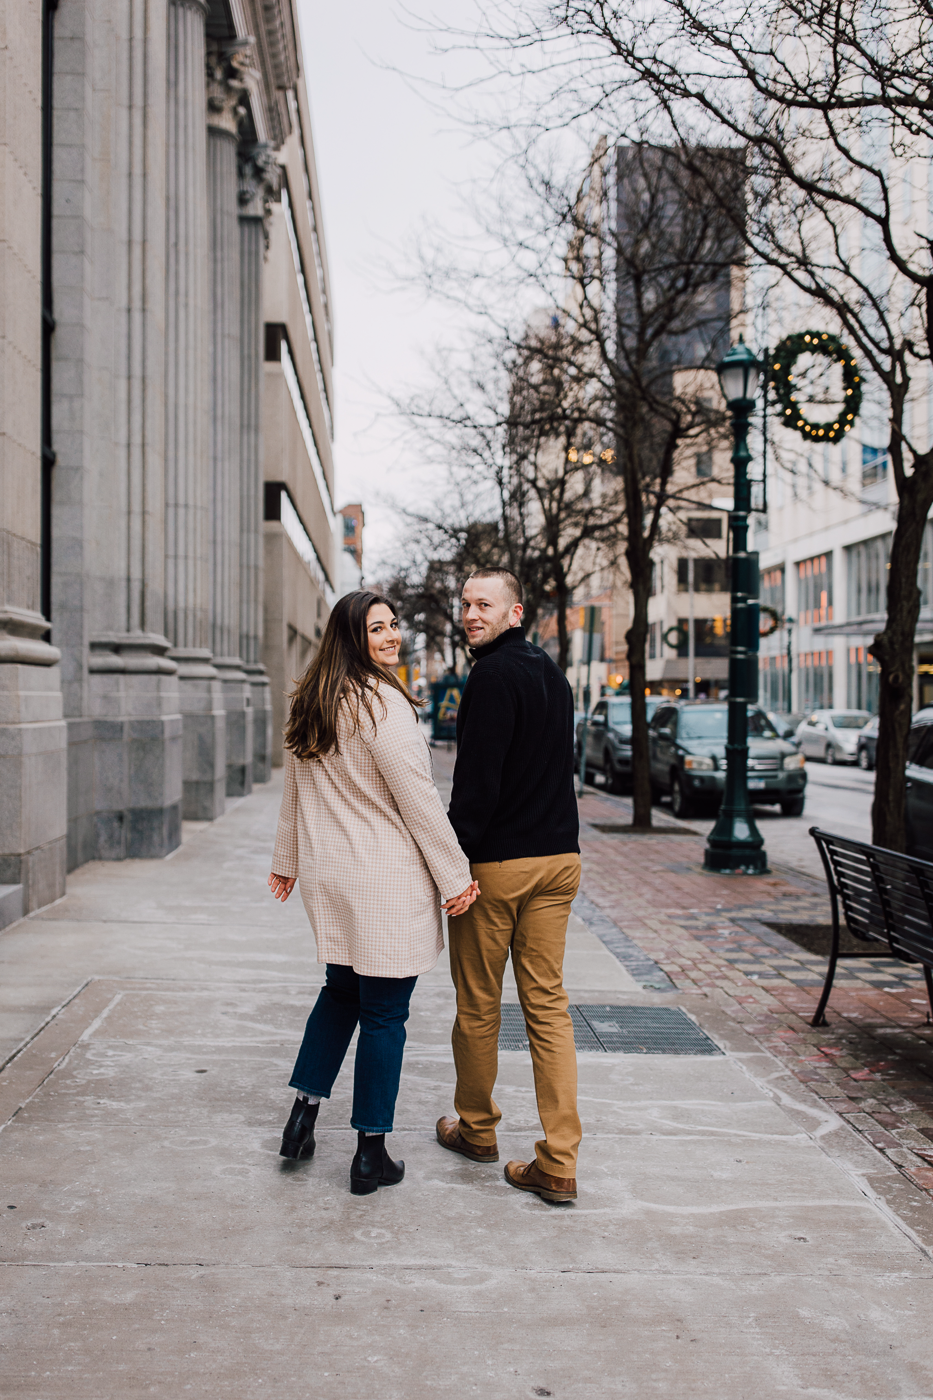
[[781, 374]]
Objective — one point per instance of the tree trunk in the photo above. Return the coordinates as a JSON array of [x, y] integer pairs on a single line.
[[894, 650]]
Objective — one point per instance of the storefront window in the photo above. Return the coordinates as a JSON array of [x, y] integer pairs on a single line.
[[864, 675], [772, 683], [815, 670]]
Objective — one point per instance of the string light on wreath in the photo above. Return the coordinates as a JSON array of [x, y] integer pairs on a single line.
[[781, 374]]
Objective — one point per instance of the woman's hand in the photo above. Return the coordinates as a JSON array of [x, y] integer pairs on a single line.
[[281, 885], [461, 902]]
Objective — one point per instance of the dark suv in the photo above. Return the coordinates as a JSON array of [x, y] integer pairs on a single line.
[[919, 774], [687, 742], [609, 740]]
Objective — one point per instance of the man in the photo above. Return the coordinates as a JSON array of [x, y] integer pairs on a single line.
[[515, 814]]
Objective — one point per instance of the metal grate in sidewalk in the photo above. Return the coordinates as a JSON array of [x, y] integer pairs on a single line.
[[619, 1030]]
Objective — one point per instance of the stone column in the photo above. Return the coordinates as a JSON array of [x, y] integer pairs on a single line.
[[225, 89], [32, 731], [258, 181], [32, 765], [187, 400], [125, 748]]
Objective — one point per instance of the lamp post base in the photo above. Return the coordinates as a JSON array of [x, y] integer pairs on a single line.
[[739, 859]]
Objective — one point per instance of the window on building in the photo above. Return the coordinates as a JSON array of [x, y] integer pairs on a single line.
[[864, 680], [815, 672], [657, 577], [709, 575], [867, 576], [874, 463], [349, 526], [771, 589], [704, 464], [704, 527], [815, 590], [710, 636], [653, 640], [772, 683]]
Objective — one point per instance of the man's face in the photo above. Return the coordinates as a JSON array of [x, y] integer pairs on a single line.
[[487, 610]]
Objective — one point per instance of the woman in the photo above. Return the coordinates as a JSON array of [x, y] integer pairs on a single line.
[[363, 829]]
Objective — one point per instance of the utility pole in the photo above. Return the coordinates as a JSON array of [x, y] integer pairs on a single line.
[[691, 638], [589, 623]]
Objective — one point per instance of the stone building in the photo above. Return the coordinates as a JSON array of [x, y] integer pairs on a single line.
[[167, 529]]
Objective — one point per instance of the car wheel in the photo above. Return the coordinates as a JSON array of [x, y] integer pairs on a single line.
[[864, 762], [681, 805], [613, 776], [830, 754], [792, 807]]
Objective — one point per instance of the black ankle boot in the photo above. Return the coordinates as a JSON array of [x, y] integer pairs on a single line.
[[372, 1166], [298, 1137]]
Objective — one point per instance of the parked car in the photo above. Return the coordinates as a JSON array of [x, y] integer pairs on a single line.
[[919, 775], [786, 725], [867, 744], [609, 740], [832, 735], [688, 758]]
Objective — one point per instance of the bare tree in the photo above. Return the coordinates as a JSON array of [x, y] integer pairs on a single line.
[[578, 419], [828, 111], [514, 489], [646, 312]]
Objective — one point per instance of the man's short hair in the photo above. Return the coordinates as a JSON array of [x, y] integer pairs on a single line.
[[512, 584]]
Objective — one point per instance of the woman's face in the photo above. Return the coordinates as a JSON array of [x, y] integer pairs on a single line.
[[384, 636]]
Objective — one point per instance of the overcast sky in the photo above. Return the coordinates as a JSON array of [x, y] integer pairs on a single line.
[[389, 164]]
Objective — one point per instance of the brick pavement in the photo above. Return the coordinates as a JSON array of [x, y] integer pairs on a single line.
[[872, 1064]]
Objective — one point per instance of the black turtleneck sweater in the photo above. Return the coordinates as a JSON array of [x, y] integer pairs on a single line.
[[513, 782]]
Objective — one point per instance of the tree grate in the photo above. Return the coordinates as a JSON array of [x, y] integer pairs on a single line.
[[619, 1030]]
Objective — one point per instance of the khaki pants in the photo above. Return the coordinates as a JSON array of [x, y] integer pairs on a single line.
[[523, 908]]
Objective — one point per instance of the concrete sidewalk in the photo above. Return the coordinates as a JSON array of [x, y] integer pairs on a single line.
[[733, 1236]]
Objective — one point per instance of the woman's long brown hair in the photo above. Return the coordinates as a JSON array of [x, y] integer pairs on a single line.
[[342, 669]]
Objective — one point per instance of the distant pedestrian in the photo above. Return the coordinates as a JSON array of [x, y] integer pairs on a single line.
[[515, 814], [363, 830]]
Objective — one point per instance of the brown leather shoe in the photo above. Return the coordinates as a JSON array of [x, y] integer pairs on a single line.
[[449, 1136], [528, 1176]]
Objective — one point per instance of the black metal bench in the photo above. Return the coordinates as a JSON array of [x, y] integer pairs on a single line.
[[886, 898]]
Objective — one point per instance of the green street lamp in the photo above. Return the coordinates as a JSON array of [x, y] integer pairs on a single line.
[[735, 843]]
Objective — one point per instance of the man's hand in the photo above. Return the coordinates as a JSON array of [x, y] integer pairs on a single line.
[[461, 902], [281, 885]]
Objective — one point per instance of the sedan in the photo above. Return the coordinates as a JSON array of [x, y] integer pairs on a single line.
[[867, 745], [832, 735], [609, 740]]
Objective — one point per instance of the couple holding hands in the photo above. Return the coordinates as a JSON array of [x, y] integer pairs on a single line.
[[363, 829]]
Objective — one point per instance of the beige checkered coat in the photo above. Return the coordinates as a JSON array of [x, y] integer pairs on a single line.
[[366, 834]]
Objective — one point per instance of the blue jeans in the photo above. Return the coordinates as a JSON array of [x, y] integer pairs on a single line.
[[380, 1006]]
